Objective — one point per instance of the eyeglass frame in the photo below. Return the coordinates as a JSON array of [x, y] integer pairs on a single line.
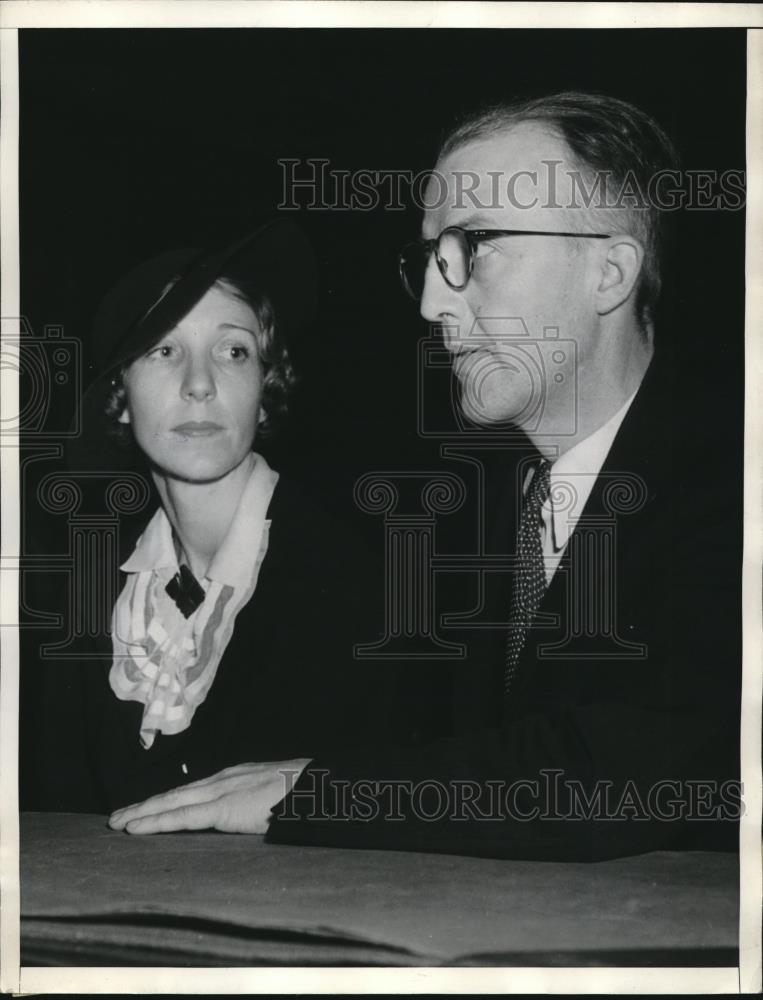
[[473, 238]]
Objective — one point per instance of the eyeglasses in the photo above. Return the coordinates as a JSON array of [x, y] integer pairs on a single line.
[[454, 250]]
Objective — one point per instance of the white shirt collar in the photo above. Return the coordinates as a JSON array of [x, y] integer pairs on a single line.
[[573, 475], [232, 563]]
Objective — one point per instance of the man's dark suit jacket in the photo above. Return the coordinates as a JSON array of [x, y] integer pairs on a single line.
[[286, 683], [651, 726]]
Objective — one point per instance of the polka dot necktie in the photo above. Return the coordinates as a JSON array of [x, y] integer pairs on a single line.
[[530, 574]]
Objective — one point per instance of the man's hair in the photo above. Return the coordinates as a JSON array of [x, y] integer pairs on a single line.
[[604, 134], [278, 374]]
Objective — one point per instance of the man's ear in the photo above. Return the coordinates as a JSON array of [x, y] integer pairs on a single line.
[[621, 268], [124, 416]]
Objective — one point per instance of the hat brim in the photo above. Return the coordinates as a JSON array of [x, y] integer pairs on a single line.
[[277, 257]]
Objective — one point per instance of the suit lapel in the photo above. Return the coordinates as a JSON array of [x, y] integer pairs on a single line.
[[630, 479]]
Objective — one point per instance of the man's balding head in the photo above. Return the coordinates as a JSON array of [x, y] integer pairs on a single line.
[[609, 141]]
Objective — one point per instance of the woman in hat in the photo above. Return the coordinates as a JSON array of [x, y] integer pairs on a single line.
[[230, 638]]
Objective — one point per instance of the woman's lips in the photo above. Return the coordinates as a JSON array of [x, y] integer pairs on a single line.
[[197, 429]]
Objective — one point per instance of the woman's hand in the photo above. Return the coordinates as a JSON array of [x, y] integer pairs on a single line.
[[236, 800]]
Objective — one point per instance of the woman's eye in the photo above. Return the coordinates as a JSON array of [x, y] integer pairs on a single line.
[[237, 352], [162, 351]]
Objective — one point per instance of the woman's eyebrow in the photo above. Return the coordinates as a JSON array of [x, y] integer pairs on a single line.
[[236, 326]]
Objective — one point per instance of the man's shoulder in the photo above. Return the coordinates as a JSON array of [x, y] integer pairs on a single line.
[[674, 425]]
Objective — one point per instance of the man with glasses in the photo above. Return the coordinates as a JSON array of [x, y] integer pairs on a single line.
[[599, 715]]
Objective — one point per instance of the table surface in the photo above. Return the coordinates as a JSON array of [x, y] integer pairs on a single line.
[[90, 896]]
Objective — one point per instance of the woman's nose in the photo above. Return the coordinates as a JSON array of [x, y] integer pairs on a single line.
[[198, 380]]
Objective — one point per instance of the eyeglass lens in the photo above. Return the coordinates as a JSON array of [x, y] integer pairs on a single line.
[[454, 256]]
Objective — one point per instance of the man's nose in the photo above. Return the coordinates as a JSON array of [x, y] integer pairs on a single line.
[[439, 302], [198, 380]]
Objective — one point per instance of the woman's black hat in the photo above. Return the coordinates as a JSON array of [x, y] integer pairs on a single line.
[[151, 299]]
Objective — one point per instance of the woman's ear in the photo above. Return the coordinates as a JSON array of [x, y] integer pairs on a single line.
[[621, 269], [124, 416]]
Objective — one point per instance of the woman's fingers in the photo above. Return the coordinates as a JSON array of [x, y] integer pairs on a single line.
[[197, 816], [205, 790], [236, 800], [228, 772]]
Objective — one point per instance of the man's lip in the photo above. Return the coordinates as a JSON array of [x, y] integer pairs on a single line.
[[461, 357], [197, 427]]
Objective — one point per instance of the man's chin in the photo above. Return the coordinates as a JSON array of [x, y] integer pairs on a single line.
[[495, 394], [485, 408], [487, 416]]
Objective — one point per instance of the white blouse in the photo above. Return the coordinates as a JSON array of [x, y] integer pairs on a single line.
[[162, 659]]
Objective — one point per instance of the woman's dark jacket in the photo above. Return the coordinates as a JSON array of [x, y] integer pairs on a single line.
[[288, 682]]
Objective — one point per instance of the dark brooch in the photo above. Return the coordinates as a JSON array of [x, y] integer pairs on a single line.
[[186, 591]]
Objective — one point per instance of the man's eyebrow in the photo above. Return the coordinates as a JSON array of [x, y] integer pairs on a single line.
[[476, 220]]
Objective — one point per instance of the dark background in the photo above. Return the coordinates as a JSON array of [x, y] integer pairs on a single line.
[[136, 141]]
